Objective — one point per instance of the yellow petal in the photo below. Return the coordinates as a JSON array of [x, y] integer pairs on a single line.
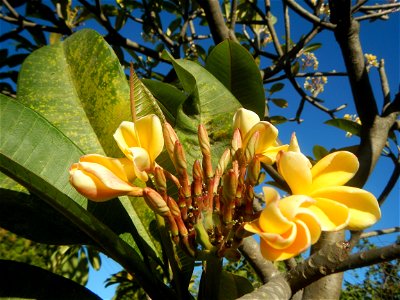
[[270, 194], [121, 167], [363, 207], [267, 135], [295, 169], [280, 241], [289, 206], [126, 137], [150, 133], [96, 182], [272, 220], [141, 162], [300, 244], [331, 215], [268, 156], [311, 221], [253, 226], [245, 119], [294, 144], [335, 169]]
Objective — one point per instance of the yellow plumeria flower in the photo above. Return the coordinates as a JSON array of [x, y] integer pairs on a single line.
[[249, 125], [286, 227], [141, 141], [100, 178], [337, 206]]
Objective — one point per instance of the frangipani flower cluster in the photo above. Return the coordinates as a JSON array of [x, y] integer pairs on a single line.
[[101, 178], [213, 212]]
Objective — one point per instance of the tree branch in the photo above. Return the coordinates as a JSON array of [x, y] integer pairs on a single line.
[[216, 22], [309, 16], [380, 232], [369, 257], [264, 268]]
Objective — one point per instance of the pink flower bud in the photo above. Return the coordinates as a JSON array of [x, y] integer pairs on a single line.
[[156, 202]]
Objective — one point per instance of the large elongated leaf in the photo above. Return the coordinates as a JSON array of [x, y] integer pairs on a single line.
[[235, 67], [34, 219], [80, 87], [36, 154], [209, 103], [23, 281]]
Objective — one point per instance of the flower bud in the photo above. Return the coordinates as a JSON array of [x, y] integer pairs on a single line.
[[197, 178], [159, 177], [251, 147], [100, 178], [156, 202], [224, 161], [204, 141], [236, 140], [253, 171], [294, 145], [230, 183], [170, 137], [179, 158]]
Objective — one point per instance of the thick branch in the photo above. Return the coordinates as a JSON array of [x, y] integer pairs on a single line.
[[369, 257], [264, 268], [276, 289], [216, 22]]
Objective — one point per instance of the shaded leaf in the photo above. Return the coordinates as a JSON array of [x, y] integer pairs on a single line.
[[20, 280], [34, 219], [295, 68], [235, 67], [276, 88], [208, 103], [312, 47], [233, 286], [319, 152], [279, 102], [277, 119], [346, 125]]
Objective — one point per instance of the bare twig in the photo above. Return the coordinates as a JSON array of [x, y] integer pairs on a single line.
[[379, 232], [309, 16], [374, 15], [287, 27], [391, 182], [384, 83], [380, 6], [271, 28]]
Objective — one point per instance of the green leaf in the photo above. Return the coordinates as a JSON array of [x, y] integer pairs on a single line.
[[295, 68], [36, 154], [312, 47], [233, 286], [22, 281], [169, 96], [34, 219], [235, 67], [319, 152], [282, 103], [276, 88], [208, 103], [277, 119], [346, 125], [80, 87]]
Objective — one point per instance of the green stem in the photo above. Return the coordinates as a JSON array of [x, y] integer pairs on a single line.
[[202, 236]]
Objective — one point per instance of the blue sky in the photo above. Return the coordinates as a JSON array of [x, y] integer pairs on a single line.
[[380, 38]]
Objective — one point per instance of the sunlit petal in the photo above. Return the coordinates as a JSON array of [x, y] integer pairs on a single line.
[[311, 221], [331, 215], [121, 167], [335, 169], [270, 194], [150, 133], [141, 162], [268, 134], [97, 182], [280, 241], [272, 220], [295, 169], [301, 243], [126, 137], [268, 156], [245, 119], [363, 207], [289, 206]]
